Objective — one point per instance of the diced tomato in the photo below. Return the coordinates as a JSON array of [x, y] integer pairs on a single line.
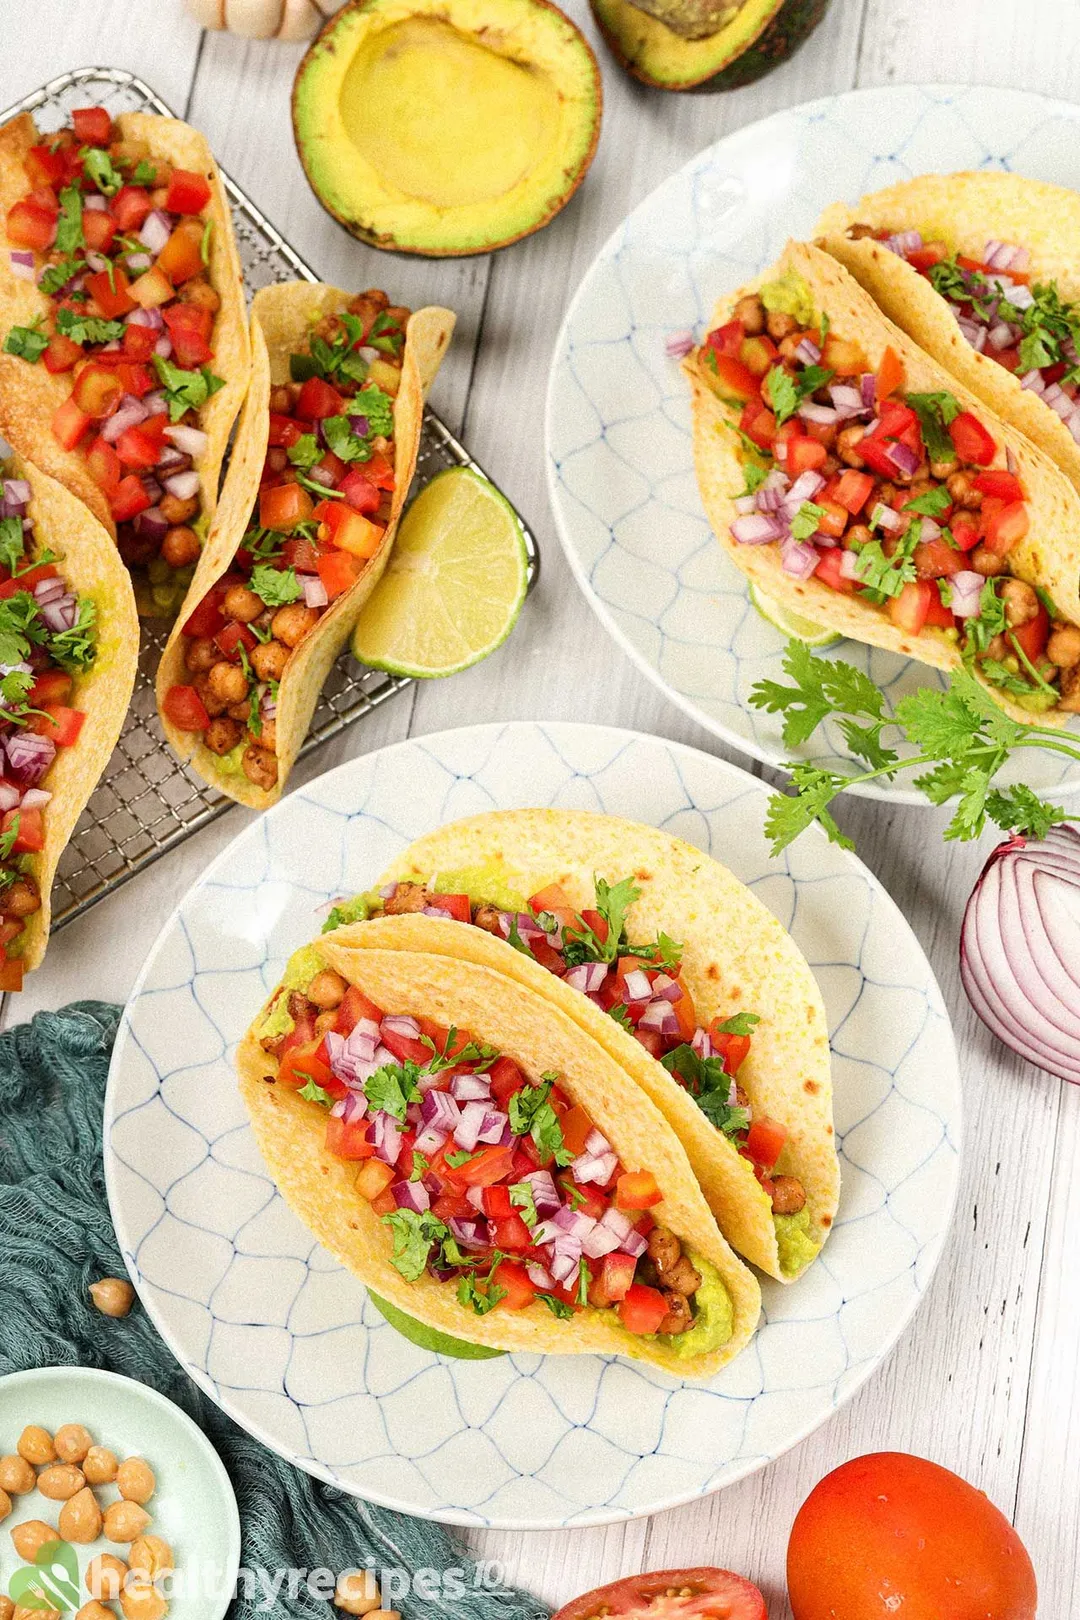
[[354, 1006], [332, 466], [922, 259], [1009, 358], [139, 342], [92, 126], [128, 499], [520, 1290], [936, 559], [45, 167], [380, 469], [1032, 637], [834, 519], [890, 374], [758, 355], [642, 1309], [495, 1202], [938, 614], [30, 226], [491, 1164], [374, 1179], [506, 1078], [385, 1204], [804, 454], [853, 490], [189, 329], [348, 530], [732, 1049], [63, 352], [138, 448], [908, 610], [188, 193], [874, 450], [348, 1141], [452, 1206], [99, 228], [404, 1048], [555, 899], [97, 391], [69, 423], [51, 686], [181, 257], [1002, 485], [152, 289], [300, 555], [971, 440], [10, 928], [360, 492], [576, 1126], [185, 708], [1005, 527], [734, 380], [726, 340], [130, 207], [45, 198], [765, 1140], [301, 1063], [26, 581], [651, 1040], [614, 1281], [338, 570], [231, 638], [830, 562], [758, 423], [318, 399], [59, 723], [965, 531], [458, 905], [207, 618], [111, 293], [597, 923], [30, 834], [637, 1189], [283, 506], [11, 972], [283, 431], [512, 1234]]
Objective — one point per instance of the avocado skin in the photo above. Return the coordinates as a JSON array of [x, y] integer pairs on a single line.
[[718, 62]]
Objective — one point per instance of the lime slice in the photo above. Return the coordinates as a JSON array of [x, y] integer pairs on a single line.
[[429, 1338], [792, 624], [454, 585]]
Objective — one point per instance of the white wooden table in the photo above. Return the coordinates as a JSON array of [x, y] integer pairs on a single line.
[[987, 1380]]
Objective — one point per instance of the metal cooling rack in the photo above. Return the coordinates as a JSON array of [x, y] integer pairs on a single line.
[[147, 802]]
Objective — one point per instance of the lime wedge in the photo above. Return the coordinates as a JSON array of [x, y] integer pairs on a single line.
[[429, 1338], [454, 585], [792, 624]]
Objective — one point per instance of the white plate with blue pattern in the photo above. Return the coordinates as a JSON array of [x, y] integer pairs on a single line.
[[287, 1342], [620, 467]]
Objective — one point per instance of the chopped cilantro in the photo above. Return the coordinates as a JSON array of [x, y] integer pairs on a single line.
[[884, 576], [82, 328], [392, 1088], [482, 1293], [935, 412], [557, 1307], [315, 1093], [807, 520], [709, 1083], [415, 1236], [377, 407], [69, 232], [531, 1114], [99, 166], [386, 335], [76, 649], [204, 243], [55, 277], [185, 390], [27, 342], [275, 586], [523, 1198], [144, 173], [305, 452], [459, 1157], [345, 444], [786, 391], [932, 504], [755, 475]]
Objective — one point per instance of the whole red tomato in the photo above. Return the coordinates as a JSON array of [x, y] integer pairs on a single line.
[[893, 1537], [671, 1594]]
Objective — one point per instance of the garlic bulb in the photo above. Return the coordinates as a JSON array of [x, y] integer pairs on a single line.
[[264, 19]]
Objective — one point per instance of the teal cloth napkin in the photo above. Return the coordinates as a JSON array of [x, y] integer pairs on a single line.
[[56, 1238]]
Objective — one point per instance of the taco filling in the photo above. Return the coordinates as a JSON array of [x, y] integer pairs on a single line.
[[47, 641], [496, 1185], [324, 505], [884, 495], [639, 986], [119, 241], [1030, 329]]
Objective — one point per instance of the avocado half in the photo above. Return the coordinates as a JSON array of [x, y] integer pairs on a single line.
[[761, 35], [446, 127]]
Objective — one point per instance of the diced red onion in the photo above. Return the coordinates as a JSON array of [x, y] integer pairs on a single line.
[[758, 529], [638, 985], [1000, 336], [701, 1042], [823, 414], [847, 400], [679, 345], [360, 426], [155, 232], [469, 1234], [666, 988], [315, 596], [151, 318], [808, 352], [470, 1088], [95, 202], [491, 1131], [192, 441], [426, 911], [169, 460], [587, 976], [1005, 256], [96, 261], [564, 1269], [615, 1221], [1034, 381], [429, 1140], [16, 495], [967, 588], [797, 559], [903, 242], [468, 1128], [129, 413], [22, 264], [805, 487], [597, 1170], [350, 1109], [138, 262], [1021, 297], [402, 1024], [634, 1244], [596, 1142], [545, 1193], [745, 503], [659, 1015], [35, 799], [849, 565], [440, 1111], [29, 756], [47, 590], [386, 1136], [411, 1195], [903, 457], [868, 389], [573, 1223], [60, 614], [10, 795], [539, 1277], [152, 524], [599, 1242]]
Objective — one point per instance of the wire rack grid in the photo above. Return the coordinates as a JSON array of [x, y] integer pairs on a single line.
[[147, 802]]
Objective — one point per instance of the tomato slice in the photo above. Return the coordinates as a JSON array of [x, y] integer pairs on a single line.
[[491, 1164], [458, 905], [703, 1593], [59, 723], [99, 228], [506, 1078], [374, 1179], [731, 1048], [512, 1234], [349, 531], [404, 1048], [45, 167]]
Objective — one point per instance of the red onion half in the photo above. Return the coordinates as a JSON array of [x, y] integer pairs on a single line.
[[1020, 949]]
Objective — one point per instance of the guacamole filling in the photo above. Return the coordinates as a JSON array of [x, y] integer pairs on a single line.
[[325, 500], [899, 499], [796, 1244], [495, 1183]]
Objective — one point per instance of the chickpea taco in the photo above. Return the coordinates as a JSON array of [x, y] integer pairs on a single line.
[[983, 271], [484, 1165], [663, 958], [859, 483], [124, 353], [324, 456], [69, 644]]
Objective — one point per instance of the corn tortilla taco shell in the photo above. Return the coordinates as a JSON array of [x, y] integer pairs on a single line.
[[319, 1187], [281, 320], [30, 395], [736, 958], [91, 566], [965, 211], [1048, 556]]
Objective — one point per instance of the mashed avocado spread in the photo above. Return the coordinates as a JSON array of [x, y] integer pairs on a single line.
[[714, 1319], [301, 968], [485, 885], [796, 1247], [789, 295]]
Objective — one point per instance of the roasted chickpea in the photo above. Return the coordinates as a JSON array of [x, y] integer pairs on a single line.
[[99, 1466], [125, 1521], [260, 766], [987, 562], [357, 1592], [683, 1277], [963, 492], [241, 604], [176, 511], [1021, 603], [151, 1556], [1063, 648], [112, 1296], [751, 312], [268, 660], [180, 547], [292, 623], [780, 325], [201, 655], [105, 1576], [5, 1504], [141, 1600], [81, 1518], [36, 1445], [280, 403], [16, 1475], [135, 1480], [788, 345], [324, 1022], [788, 1195], [72, 1442], [326, 989], [942, 470], [61, 1482], [268, 735], [21, 898], [857, 536], [29, 1537], [228, 682], [847, 445], [199, 292], [210, 701], [7, 1608], [222, 735], [95, 1611]]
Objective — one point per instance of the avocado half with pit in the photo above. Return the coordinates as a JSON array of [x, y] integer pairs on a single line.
[[756, 37], [447, 127]]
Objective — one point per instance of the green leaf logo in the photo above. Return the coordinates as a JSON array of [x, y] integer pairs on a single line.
[[52, 1582]]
